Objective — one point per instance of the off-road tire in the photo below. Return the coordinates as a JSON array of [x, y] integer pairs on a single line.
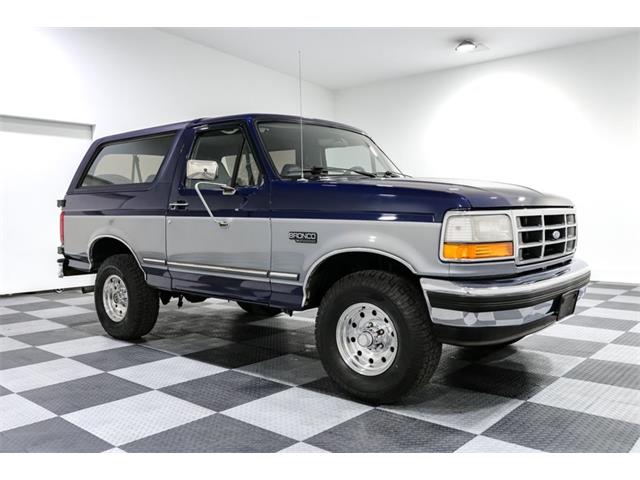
[[260, 310], [143, 305], [418, 349]]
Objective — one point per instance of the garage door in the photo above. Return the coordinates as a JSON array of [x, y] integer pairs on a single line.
[[37, 161]]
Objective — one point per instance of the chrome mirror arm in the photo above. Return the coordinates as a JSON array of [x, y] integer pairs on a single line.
[[226, 190]]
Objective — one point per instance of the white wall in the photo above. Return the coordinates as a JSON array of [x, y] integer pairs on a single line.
[[116, 80], [565, 120]]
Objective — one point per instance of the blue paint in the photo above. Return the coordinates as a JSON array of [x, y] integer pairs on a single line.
[[349, 197]]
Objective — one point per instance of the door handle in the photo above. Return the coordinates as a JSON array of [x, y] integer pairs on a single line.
[[179, 205]]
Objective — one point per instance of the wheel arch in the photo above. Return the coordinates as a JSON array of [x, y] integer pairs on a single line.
[[334, 265], [103, 246]]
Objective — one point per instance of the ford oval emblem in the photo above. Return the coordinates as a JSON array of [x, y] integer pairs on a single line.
[[556, 234]]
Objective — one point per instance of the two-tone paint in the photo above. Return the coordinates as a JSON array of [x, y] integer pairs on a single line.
[[250, 255]]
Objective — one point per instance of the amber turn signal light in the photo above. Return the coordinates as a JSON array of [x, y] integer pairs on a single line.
[[473, 251]]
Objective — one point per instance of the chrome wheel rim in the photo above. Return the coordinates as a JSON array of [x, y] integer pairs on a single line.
[[115, 298], [367, 339]]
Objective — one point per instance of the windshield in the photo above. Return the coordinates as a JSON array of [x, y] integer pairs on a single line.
[[326, 150]]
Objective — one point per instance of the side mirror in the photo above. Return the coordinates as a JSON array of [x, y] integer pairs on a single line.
[[202, 170]]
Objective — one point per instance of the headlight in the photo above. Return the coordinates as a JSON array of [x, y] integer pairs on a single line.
[[477, 237]]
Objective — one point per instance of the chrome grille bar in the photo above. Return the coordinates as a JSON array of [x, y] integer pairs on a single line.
[[544, 234]]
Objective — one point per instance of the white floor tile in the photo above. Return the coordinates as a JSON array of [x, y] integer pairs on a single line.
[[31, 326], [114, 450], [283, 322], [544, 363], [575, 332], [19, 300], [594, 398], [60, 312], [136, 417], [302, 447], [308, 320], [6, 311], [458, 408], [605, 291], [18, 411], [83, 300], [43, 374], [71, 348], [169, 371], [482, 444], [289, 369], [8, 344], [587, 302], [635, 329], [627, 299], [619, 353], [612, 313], [297, 413]]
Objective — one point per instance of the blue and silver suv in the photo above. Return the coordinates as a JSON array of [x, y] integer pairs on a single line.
[[282, 214]]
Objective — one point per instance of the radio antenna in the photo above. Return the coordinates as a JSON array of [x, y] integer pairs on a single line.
[[301, 179]]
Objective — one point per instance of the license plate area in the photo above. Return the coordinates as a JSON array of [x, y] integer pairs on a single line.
[[567, 304]]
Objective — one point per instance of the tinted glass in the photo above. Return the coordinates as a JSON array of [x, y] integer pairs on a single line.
[[229, 149], [126, 163], [333, 151]]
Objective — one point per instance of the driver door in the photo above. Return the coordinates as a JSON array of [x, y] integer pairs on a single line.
[[227, 255]]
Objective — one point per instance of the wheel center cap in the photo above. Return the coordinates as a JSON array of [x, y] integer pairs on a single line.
[[365, 339]]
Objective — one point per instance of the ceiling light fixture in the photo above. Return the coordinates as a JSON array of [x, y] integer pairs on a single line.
[[466, 46]]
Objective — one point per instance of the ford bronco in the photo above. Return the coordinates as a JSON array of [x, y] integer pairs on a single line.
[[282, 214]]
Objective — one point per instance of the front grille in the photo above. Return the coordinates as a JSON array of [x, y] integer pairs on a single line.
[[544, 234]]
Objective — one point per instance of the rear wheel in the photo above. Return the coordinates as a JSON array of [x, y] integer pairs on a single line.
[[262, 310], [127, 307], [374, 336]]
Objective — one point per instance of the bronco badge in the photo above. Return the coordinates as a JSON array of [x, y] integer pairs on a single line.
[[303, 237]]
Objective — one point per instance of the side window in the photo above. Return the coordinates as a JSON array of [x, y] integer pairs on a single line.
[[230, 150], [129, 162]]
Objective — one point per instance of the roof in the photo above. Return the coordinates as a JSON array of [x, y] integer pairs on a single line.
[[243, 117]]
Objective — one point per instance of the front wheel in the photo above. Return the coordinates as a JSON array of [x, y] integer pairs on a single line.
[[127, 307], [374, 336]]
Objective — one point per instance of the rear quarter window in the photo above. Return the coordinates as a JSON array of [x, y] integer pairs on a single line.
[[129, 162]]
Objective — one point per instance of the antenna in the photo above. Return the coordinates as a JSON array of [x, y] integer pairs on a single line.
[[301, 179]]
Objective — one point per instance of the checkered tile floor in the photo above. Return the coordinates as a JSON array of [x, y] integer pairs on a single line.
[[212, 378]]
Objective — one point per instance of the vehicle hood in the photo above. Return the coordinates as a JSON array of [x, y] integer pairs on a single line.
[[477, 193]]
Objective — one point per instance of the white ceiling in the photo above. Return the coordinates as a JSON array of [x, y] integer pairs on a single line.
[[338, 58]]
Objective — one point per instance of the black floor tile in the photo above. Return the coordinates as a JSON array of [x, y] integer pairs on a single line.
[[234, 355], [630, 338], [299, 342], [224, 390], [51, 336], [67, 397], [4, 391], [633, 307], [31, 307], [24, 356], [216, 433], [610, 373], [16, 318], [123, 357], [557, 430], [599, 296], [380, 431], [82, 318], [498, 381], [53, 435], [599, 322], [561, 346]]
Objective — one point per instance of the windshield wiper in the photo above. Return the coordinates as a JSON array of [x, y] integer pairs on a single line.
[[317, 170]]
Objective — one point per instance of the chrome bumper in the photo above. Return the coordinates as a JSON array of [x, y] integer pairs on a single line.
[[493, 311]]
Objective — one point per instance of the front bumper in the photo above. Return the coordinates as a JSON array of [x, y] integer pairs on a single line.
[[485, 312]]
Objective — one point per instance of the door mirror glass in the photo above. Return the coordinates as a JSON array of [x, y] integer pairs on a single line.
[[202, 170]]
